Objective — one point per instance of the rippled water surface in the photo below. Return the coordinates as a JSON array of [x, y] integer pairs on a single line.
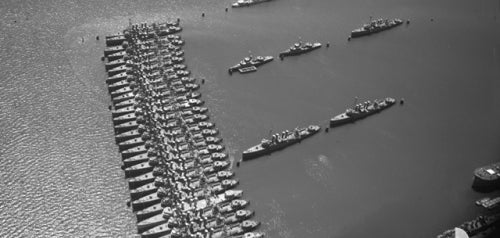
[[403, 173]]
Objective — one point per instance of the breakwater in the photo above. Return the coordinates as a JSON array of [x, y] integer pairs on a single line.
[[178, 173]]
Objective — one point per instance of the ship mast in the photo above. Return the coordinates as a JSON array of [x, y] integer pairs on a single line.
[[355, 102]]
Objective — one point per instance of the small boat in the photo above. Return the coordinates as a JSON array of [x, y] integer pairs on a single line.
[[489, 203], [280, 141], [251, 61], [247, 69], [300, 48], [361, 110]]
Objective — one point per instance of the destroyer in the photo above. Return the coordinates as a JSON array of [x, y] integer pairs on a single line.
[[250, 61], [246, 3], [361, 110], [279, 141], [299, 48], [375, 26]]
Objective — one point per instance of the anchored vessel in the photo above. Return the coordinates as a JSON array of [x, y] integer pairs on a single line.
[[279, 141], [246, 3], [173, 158], [299, 48], [375, 26], [250, 63], [360, 111], [487, 177]]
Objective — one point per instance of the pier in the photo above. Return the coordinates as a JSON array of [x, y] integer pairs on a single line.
[[178, 172]]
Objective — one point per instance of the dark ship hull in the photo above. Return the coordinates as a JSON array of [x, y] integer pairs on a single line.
[[299, 52], [487, 178], [344, 118], [258, 150]]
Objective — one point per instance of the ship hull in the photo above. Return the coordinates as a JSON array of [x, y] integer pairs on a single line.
[[343, 118], [486, 178], [265, 151], [292, 53]]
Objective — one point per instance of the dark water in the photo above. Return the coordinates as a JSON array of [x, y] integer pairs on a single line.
[[403, 173]]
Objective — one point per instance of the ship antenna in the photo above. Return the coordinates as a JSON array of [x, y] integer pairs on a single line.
[[355, 101]]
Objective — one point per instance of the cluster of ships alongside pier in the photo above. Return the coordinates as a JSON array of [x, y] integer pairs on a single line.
[[485, 179], [177, 169]]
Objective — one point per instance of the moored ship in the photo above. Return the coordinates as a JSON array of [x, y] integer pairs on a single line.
[[299, 48], [375, 26], [487, 178], [279, 141], [246, 3], [250, 61], [361, 110]]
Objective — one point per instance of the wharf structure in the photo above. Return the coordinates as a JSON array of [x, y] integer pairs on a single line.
[[179, 176]]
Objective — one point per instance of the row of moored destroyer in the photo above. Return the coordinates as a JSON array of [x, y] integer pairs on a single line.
[[179, 176]]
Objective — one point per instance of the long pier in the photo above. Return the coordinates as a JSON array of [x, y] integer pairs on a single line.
[[180, 180]]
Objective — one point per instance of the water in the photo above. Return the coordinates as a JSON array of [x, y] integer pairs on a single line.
[[403, 173]]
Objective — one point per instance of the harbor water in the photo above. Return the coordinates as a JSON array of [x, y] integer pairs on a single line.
[[405, 172]]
